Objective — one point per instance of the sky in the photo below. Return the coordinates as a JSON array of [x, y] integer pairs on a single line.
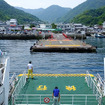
[[35, 4]]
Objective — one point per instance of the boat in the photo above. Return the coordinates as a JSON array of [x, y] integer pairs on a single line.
[[4, 78], [99, 35], [6, 82], [75, 89]]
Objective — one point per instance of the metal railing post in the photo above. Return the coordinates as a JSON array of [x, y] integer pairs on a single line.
[[40, 99], [27, 99], [85, 100], [100, 99], [72, 100], [93, 89], [96, 95], [13, 100], [88, 80]]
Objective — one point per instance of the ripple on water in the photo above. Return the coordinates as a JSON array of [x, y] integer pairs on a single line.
[[18, 50]]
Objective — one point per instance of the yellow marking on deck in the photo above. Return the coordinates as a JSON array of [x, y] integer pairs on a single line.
[[69, 88], [60, 75], [42, 87], [62, 45]]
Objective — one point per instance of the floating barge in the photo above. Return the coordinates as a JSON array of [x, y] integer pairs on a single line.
[[61, 43], [66, 45]]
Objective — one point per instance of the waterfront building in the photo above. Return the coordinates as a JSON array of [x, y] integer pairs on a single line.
[[104, 24], [27, 27], [45, 26], [70, 27], [2, 28], [64, 27], [2, 23], [79, 26], [8, 23], [13, 22]]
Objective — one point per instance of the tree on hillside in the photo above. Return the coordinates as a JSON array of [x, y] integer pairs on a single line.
[[91, 17], [53, 26], [32, 25]]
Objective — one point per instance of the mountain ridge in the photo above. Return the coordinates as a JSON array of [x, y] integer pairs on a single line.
[[49, 14], [87, 5], [91, 17], [7, 12]]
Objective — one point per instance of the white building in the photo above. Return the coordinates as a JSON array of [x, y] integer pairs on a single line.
[[2, 23], [104, 25], [2, 28], [78, 26], [71, 27], [13, 22], [64, 27], [45, 26]]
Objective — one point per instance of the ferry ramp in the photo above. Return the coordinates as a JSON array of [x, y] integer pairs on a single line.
[[73, 89]]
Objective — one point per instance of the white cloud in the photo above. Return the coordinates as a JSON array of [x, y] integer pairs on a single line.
[[44, 3]]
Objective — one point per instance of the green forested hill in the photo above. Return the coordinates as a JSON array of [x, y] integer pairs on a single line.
[[53, 12], [49, 14], [87, 5], [91, 17], [7, 12]]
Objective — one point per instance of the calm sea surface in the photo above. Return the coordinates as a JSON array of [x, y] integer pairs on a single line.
[[19, 52]]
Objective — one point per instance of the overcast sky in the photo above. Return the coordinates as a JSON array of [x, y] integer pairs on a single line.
[[35, 4]]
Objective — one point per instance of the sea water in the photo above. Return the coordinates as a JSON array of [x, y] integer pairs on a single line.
[[19, 53]]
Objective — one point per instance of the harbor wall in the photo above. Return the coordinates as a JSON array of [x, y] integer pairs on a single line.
[[76, 36], [24, 36], [37, 36]]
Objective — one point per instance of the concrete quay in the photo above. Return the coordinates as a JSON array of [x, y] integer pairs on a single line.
[[76, 36], [59, 43], [24, 36], [38, 36]]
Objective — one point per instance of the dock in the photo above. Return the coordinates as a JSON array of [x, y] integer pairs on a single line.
[[61, 43]]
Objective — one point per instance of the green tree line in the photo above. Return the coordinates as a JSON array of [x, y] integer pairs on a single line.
[[91, 17]]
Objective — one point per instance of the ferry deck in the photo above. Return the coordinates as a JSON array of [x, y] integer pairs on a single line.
[[75, 89]]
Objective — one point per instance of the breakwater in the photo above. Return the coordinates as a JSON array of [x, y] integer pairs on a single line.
[[76, 36], [24, 36], [38, 36]]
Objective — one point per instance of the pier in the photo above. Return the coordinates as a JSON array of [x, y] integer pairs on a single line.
[[61, 43]]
